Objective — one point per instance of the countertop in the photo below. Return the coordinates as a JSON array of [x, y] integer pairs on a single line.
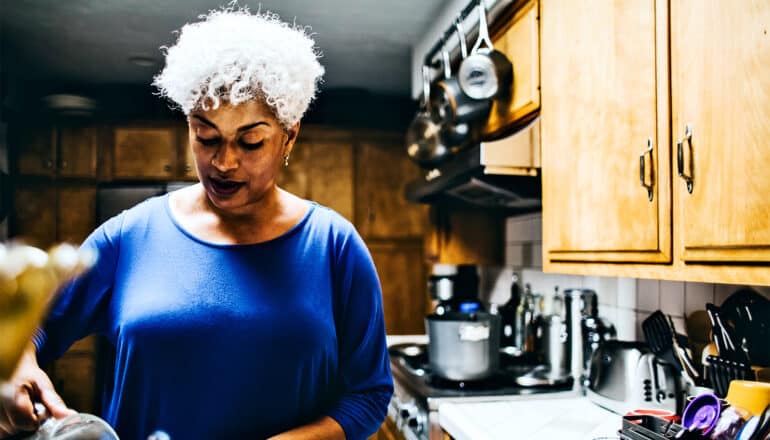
[[574, 418]]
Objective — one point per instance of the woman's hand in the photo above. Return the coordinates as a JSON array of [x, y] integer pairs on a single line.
[[28, 385]]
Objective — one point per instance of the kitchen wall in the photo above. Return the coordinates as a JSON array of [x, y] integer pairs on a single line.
[[626, 302]]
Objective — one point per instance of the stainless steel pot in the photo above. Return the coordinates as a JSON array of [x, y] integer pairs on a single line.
[[464, 346], [486, 73], [461, 115], [423, 141]]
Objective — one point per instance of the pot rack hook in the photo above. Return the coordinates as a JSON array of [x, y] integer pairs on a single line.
[[483, 29]]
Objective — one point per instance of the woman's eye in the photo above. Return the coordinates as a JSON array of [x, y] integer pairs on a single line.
[[250, 146], [207, 142]]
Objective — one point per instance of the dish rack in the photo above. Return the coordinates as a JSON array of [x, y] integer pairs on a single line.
[[648, 428]]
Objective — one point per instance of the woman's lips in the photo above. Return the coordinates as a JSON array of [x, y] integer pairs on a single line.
[[225, 187]]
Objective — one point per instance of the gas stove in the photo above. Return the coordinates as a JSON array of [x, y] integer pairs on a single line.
[[418, 392]]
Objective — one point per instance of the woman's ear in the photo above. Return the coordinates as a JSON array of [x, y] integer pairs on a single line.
[[291, 137]]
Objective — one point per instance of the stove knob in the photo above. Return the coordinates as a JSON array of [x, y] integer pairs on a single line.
[[407, 411], [416, 422]]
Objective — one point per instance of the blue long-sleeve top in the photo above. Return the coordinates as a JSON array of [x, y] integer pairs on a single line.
[[229, 341]]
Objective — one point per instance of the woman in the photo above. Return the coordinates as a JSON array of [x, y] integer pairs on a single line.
[[236, 309]]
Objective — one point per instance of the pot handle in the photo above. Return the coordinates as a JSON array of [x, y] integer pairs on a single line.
[[483, 30], [461, 38], [445, 62], [426, 87]]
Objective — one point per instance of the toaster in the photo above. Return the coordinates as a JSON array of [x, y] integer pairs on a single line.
[[625, 375]]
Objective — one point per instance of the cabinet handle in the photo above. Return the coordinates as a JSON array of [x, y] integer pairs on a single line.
[[688, 178], [187, 168], [643, 168], [48, 164], [167, 168], [64, 164]]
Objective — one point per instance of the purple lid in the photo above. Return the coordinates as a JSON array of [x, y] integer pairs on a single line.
[[702, 413]]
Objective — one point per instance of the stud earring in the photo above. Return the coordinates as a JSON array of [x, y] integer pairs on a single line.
[[286, 160]]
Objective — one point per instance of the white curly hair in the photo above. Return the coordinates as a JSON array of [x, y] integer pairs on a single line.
[[235, 56]]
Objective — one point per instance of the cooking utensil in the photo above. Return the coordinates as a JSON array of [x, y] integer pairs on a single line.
[[747, 313], [659, 336], [722, 371], [463, 346], [689, 372], [423, 141], [460, 114], [725, 338], [486, 73]]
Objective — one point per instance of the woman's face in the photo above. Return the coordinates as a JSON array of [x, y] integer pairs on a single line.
[[238, 152]]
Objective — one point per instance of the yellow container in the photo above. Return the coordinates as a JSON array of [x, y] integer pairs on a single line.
[[749, 395]]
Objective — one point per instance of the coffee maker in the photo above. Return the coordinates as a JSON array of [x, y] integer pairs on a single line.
[[454, 288]]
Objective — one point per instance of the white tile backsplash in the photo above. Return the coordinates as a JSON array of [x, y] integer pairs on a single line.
[[672, 298], [625, 302], [625, 324], [696, 295], [647, 295], [626, 297]]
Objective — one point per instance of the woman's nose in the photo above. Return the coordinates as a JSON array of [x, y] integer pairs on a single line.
[[226, 158]]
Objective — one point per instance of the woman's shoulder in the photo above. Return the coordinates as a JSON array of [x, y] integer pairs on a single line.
[[139, 216], [324, 216]]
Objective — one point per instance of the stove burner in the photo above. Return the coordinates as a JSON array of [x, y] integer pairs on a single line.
[[493, 382]]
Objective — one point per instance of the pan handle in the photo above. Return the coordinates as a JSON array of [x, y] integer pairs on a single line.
[[483, 30]]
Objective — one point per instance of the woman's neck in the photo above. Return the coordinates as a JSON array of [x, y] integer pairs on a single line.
[[263, 220]]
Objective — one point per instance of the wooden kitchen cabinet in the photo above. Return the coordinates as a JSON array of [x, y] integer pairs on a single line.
[[77, 151], [602, 105], [187, 169], [401, 269], [519, 40], [381, 209], [62, 149], [596, 111], [34, 214], [44, 214], [720, 86], [145, 152], [321, 169], [76, 212], [34, 149]]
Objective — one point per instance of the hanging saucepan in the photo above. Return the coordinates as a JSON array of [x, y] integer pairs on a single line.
[[486, 73], [460, 114], [423, 141]]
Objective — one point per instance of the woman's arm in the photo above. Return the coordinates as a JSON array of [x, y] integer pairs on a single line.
[[366, 383], [325, 428]]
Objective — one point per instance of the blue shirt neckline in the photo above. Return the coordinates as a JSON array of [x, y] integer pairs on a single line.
[[167, 208]]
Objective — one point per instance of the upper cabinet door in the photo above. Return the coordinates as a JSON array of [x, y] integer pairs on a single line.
[[34, 148], [145, 153], [720, 84], [604, 101], [519, 41], [77, 151]]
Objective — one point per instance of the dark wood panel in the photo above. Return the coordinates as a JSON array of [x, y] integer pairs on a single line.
[[76, 213], [402, 275], [382, 170], [145, 153], [77, 151], [34, 149], [34, 213]]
